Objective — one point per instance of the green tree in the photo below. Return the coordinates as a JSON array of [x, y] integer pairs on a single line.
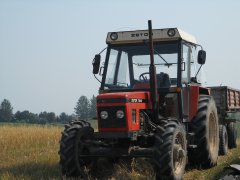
[[82, 108], [26, 116], [51, 117], [43, 117], [93, 107], [6, 111], [18, 116], [64, 118]]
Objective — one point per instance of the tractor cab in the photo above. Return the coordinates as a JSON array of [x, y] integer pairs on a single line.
[[127, 59], [177, 60]]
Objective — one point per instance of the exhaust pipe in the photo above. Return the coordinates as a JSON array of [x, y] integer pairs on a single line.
[[153, 79]]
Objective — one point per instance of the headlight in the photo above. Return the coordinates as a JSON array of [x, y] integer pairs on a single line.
[[104, 115], [171, 32], [113, 36], [120, 114]]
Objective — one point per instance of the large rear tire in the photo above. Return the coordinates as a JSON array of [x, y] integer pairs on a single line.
[[170, 151], [206, 129], [232, 135], [73, 143], [223, 140]]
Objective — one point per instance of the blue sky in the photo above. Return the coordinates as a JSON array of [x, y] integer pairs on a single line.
[[47, 46]]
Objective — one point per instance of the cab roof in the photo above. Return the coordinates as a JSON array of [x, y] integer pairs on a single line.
[[140, 36]]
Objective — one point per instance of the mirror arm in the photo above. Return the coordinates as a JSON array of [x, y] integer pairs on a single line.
[[97, 78], [200, 46], [198, 71], [102, 50]]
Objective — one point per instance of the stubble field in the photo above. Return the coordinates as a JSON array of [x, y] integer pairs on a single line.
[[31, 152]]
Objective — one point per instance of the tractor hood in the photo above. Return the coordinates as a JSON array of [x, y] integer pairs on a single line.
[[128, 103], [124, 97]]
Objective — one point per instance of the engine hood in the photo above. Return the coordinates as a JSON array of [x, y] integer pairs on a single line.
[[124, 97]]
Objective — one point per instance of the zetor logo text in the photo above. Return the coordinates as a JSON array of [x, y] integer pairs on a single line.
[[139, 35]]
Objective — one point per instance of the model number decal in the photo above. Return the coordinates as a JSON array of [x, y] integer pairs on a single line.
[[136, 100]]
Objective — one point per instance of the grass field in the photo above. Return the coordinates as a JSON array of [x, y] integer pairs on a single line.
[[31, 152]]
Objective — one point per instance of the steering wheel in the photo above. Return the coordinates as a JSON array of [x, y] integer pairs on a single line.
[[142, 77]]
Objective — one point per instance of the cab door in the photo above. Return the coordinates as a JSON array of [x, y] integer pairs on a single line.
[[186, 80]]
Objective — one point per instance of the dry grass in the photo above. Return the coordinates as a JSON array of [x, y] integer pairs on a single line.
[[216, 172], [31, 152]]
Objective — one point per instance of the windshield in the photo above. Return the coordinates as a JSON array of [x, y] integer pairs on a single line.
[[128, 66]]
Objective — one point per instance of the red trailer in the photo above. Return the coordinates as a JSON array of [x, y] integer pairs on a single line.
[[227, 100]]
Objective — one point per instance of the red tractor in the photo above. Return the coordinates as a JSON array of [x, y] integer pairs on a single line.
[[150, 104]]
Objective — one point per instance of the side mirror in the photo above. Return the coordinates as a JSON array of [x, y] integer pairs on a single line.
[[201, 57], [96, 63]]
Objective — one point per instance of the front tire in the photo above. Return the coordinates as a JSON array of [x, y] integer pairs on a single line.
[[72, 144], [170, 151], [206, 129]]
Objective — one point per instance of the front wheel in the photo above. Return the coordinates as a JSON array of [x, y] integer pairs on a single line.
[[73, 144], [170, 151]]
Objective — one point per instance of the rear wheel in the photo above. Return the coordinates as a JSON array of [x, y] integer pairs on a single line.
[[232, 135], [206, 129], [223, 140], [73, 144], [170, 151]]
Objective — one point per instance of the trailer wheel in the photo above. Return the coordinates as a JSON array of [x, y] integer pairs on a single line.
[[206, 129], [170, 151], [232, 135], [223, 140], [73, 143]]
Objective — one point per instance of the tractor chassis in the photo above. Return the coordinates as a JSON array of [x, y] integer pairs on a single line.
[[103, 145]]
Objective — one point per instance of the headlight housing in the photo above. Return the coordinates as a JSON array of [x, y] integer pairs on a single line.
[[120, 114], [171, 32], [104, 115], [114, 36]]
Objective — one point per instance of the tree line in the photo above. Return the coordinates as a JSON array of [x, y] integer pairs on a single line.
[[85, 109]]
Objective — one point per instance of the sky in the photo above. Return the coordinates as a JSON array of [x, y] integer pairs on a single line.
[[47, 46]]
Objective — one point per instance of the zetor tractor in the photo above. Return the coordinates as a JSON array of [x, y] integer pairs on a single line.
[[151, 104]]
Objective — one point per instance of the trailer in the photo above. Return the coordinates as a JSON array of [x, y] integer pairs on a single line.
[[227, 100]]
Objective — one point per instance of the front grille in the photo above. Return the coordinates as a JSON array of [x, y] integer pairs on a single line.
[[112, 121]]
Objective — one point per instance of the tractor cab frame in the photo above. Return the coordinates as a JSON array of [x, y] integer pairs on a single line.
[[177, 63]]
